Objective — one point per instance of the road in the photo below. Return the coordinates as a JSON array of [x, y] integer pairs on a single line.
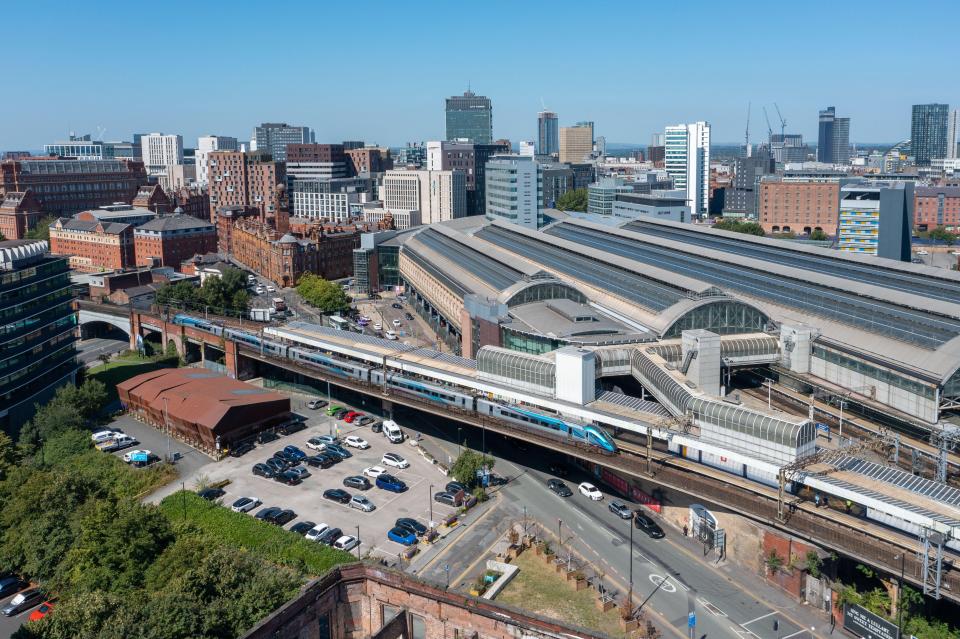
[[89, 350], [9, 625]]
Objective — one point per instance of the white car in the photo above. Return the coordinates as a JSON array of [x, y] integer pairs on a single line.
[[396, 322], [589, 490], [316, 532], [128, 456], [378, 326], [271, 289], [315, 443], [245, 504], [395, 460], [390, 335], [356, 442], [347, 542], [259, 290], [104, 435], [374, 471]]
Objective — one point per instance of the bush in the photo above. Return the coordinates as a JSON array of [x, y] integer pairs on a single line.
[[325, 295], [739, 226]]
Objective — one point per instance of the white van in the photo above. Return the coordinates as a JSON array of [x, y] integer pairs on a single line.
[[392, 431], [390, 335]]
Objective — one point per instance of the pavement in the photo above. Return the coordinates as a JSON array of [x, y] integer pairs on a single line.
[[89, 350]]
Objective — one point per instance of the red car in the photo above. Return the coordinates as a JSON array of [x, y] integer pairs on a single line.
[[41, 612], [352, 415]]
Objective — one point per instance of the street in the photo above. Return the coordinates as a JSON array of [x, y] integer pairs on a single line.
[[89, 350]]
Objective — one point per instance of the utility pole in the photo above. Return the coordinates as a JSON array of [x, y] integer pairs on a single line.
[[649, 449]]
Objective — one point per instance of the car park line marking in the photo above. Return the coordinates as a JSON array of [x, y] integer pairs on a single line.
[[747, 623], [798, 632]]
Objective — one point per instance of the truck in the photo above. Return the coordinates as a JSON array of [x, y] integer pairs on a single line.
[[261, 314], [119, 442], [392, 431], [279, 304]]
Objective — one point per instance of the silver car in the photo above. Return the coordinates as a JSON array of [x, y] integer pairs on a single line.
[[245, 504], [362, 503]]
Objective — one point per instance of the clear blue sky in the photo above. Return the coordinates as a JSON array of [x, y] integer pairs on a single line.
[[379, 71]]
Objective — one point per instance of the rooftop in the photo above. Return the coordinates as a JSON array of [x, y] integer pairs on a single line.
[[175, 223]]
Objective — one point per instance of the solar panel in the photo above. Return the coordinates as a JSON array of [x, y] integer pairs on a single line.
[[901, 478]]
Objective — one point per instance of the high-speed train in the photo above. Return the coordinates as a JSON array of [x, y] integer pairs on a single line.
[[461, 398]]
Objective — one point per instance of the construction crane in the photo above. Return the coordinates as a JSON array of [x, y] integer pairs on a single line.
[[769, 128], [746, 137], [783, 123]]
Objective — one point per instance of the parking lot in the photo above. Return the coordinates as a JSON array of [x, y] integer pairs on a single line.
[[306, 499]]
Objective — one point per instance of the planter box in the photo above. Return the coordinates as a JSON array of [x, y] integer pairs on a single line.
[[580, 584], [629, 625], [604, 605]]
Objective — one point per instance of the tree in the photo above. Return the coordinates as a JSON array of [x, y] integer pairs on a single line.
[[182, 294], [325, 295], [813, 563], [42, 230], [941, 234], [819, 235], [467, 464], [575, 200], [739, 226]]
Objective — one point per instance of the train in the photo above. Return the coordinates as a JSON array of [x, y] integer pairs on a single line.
[[591, 435]]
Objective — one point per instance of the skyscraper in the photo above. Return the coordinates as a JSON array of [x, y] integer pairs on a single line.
[[953, 128], [273, 138], [833, 143], [576, 143], [470, 116], [687, 161], [928, 132], [160, 152], [548, 133]]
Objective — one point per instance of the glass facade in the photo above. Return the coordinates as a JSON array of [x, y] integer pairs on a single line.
[[470, 116], [552, 290], [527, 342], [724, 318], [388, 266], [526, 371]]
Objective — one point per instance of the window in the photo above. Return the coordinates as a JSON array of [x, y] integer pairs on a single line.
[[418, 627]]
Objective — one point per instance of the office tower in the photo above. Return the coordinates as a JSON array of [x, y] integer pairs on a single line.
[[528, 147], [928, 132], [471, 158], [876, 218], [576, 143], [687, 162], [160, 153], [788, 147], [833, 141], [603, 193], [548, 133], [205, 145], [601, 146], [741, 198], [273, 138], [515, 190], [470, 117], [438, 195], [368, 159], [248, 179], [37, 355], [953, 128], [316, 161]]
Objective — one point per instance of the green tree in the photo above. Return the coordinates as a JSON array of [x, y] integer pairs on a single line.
[[739, 226], [65, 445], [9, 456], [575, 200], [467, 464], [325, 295], [941, 234], [42, 230], [183, 294], [813, 563], [819, 235], [79, 616]]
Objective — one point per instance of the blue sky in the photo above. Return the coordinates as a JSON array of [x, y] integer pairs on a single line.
[[378, 71]]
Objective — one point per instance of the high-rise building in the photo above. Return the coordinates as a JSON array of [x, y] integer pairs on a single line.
[[953, 129], [576, 143], [876, 218], [248, 179], [603, 193], [314, 162], [548, 133], [438, 195], [469, 157], [528, 148], [687, 162], [160, 153], [928, 132], [205, 145], [37, 355], [741, 198], [470, 117], [788, 148], [833, 141], [515, 190], [273, 138]]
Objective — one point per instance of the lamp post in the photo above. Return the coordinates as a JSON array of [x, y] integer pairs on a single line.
[[446, 569], [559, 534], [358, 543], [630, 594], [430, 500], [458, 440], [840, 433]]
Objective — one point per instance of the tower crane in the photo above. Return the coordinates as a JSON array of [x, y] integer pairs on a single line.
[[783, 123], [769, 128]]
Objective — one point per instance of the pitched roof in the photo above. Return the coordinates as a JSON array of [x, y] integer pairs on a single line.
[[175, 223], [84, 226]]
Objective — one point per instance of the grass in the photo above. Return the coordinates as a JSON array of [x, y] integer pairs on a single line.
[[267, 541], [122, 369], [538, 589]]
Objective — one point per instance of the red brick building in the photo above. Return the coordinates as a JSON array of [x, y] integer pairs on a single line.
[[93, 246], [19, 213], [369, 160], [64, 187], [226, 219], [192, 201], [171, 239], [152, 197], [936, 206], [248, 179], [788, 206]]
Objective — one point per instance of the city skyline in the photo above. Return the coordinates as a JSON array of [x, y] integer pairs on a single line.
[[225, 99]]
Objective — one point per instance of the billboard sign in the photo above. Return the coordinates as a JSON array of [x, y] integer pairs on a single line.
[[863, 623]]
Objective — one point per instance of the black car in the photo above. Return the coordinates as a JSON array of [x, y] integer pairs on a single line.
[[396, 305], [336, 494], [212, 494], [302, 527], [266, 437], [411, 524], [263, 470], [559, 487], [445, 498], [357, 482], [289, 478], [376, 427], [454, 487], [338, 450], [647, 525], [10, 585], [408, 316], [286, 456], [620, 509], [24, 601], [241, 449], [559, 469], [268, 513], [283, 517], [318, 461], [330, 536], [340, 413], [363, 421], [277, 465], [291, 428], [496, 480]]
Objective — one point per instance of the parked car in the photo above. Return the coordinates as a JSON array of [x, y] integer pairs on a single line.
[[103, 435], [391, 483], [241, 449], [340, 413], [299, 471], [264, 470], [363, 421], [559, 469], [245, 504], [360, 502], [357, 482], [314, 404], [351, 415], [454, 487], [315, 443], [316, 532], [647, 525], [445, 498], [277, 465], [346, 543], [376, 427], [374, 471], [336, 494], [268, 513], [140, 452], [330, 535], [408, 317], [284, 517], [377, 326], [318, 461], [402, 536], [266, 437], [589, 490], [328, 439], [302, 527], [289, 478], [396, 323], [294, 453], [23, 601], [291, 427], [620, 509], [41, 612], [412, 525], [333, 408], [10, 585], [338, 451], [212, 494], [356, 442], [395, 460], [559, 488], [397, 305], [286, 457]]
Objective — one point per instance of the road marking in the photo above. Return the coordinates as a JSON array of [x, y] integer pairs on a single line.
[[713, 609], [664, 584], [798, 632], [747, 623]]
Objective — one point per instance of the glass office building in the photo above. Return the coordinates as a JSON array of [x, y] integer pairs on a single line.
[[470, 116], [928, 132]]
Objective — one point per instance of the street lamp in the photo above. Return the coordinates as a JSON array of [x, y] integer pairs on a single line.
[[458, 440], [630, 595], [559, 534], [446, 568], [430, 500], [358, 543]]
